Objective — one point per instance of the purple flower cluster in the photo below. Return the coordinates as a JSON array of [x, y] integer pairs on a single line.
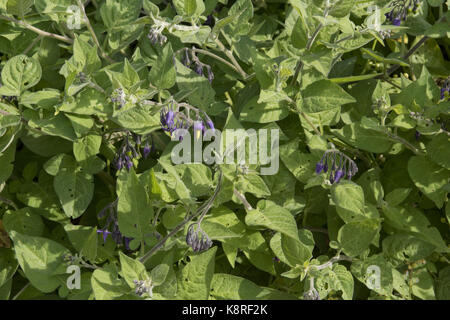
[[111, 212], [129, 151], [400, 9], [337, 165], [196, 242], [445, 88], [172, 118]]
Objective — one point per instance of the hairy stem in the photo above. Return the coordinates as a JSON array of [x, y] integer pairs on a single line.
[[91, 30], [200, 211], [241, 197], [37, 30], [9, 202], [230, 56], [212, 55]]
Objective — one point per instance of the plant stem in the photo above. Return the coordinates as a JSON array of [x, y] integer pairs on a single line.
[[205, 52], [405, 143], [330, 262], [21, 291], [91, 30], [37, 30], [230, 56], [309, 44], [200, 211], [307, 119], [241, 197], [408, 54], [9, 202]]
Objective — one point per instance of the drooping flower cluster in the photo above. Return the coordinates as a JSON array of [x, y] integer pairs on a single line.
[[337, 165], [131, 149], [179, 116], [156, 36], [400, 9], [190, 60], [197, 239], [445, 90], [110, 211]]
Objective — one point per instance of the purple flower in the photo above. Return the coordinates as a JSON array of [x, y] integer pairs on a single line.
[[210, 124], [339, 174], [105, 233], [129, 163], [146, 150], [199, 69], [397, 22], [127, 242], [169, 117], [341, 166], [319, 167], [210, 74]]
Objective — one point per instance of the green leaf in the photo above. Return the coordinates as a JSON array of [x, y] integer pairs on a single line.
[[324, 95], [406, 248], [364, 138], [363, 230], [299, 36], [363, 270], [159, 274], [274, 217], [194, 279], [134, 209], [342, 7], [202, 95], [163, 74], [106, 285], [230, 287], [290, 251], [439, 150], [414, 222], [74, 188], [19, 74], [23, 221], [349, 200], [132, 269], [19, 7], [429, 178], [190, 6], [87, 147], [41, 259]]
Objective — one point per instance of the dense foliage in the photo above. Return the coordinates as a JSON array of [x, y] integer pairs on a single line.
[[93, 207]]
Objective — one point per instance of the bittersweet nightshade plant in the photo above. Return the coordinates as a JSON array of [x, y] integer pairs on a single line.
[[350, 108]]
